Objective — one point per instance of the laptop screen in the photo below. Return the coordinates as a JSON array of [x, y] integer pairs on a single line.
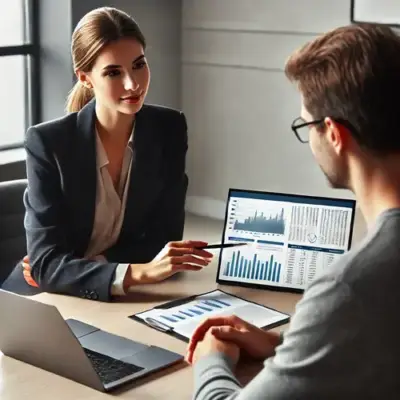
[[290, 238]]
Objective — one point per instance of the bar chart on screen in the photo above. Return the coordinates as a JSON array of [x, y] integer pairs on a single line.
[[259, 267]]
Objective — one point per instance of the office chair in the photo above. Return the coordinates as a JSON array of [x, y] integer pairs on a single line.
[[12, 232]]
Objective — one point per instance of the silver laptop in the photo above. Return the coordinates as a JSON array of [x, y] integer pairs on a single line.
[[36, 333]]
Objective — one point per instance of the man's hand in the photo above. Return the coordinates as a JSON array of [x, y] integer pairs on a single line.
[[210, 344], [257, 343]]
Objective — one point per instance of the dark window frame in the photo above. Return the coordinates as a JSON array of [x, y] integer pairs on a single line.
[[31, 51]]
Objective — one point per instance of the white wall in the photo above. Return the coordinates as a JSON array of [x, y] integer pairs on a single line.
[[238, 102], [382, 12]]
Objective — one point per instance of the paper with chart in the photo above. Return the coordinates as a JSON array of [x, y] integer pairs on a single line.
[[291, 238], [184, 319]]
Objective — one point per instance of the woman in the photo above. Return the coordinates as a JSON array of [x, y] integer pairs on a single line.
[[107, 183]]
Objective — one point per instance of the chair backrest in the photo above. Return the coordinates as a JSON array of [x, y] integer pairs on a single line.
[[12, 231]]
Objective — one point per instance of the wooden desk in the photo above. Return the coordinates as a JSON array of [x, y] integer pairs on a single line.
[[21, 381]]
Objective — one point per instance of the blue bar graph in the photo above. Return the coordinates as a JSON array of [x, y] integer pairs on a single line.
[[187, 313], [201, 307], [253, 268], [212, 304], [170, 319], [224, 303]]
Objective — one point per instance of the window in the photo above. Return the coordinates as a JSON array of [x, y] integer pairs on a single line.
[[19, 77]]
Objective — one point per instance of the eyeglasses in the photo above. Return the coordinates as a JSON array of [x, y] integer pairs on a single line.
[[301, 130]]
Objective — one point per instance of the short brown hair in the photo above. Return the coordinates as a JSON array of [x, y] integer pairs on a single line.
[[95, 30], [352, 74]]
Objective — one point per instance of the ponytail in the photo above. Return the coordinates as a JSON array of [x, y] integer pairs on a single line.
[[78, 97]]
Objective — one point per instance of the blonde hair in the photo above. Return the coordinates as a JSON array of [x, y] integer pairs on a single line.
[[94, 31]]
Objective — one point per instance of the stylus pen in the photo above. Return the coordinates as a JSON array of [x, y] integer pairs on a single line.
[[220, 246]]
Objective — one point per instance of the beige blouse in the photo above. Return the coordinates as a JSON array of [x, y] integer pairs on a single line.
[[110, 209]]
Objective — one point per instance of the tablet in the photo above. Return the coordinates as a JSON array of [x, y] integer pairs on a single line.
[[290, 238]]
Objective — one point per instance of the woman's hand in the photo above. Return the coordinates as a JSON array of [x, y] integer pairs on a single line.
[[173, 258], [26, 268]]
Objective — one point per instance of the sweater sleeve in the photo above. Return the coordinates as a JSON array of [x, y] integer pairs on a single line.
[[323, 333]]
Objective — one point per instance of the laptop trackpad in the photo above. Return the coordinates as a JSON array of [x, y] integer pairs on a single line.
[[111, 345], [154, 357]]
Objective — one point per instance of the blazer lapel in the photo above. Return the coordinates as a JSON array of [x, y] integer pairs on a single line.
[[145, 183], [86, 173]]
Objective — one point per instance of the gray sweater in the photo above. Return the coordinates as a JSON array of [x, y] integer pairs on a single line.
[[343, 339]]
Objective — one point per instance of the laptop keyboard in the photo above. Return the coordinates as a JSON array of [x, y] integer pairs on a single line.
[[110, 369]]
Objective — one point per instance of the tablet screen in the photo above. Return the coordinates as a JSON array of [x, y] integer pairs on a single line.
[[290, 238]]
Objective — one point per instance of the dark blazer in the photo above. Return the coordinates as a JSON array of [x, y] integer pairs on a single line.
[[61, 194]]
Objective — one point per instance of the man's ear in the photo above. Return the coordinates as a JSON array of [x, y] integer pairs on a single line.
[[84, 79], [337, 135]]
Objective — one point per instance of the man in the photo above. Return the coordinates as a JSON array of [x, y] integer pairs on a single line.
[[343, 340]]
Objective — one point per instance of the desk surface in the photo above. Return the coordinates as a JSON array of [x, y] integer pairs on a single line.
[[19, 380]]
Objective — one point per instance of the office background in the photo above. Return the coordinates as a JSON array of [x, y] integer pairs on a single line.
[[221, 62]]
